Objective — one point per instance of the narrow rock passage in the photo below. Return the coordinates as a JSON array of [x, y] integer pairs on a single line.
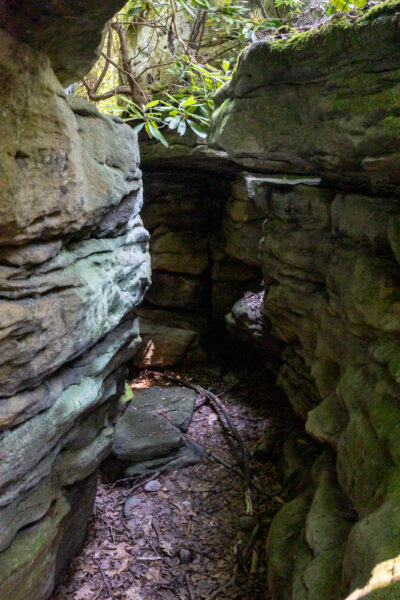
[[182, 535]]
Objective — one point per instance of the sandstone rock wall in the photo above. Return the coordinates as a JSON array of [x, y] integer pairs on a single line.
[[204, 236], [327, 105], [74, 264]]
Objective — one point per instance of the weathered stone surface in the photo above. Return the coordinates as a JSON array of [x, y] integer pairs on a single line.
[[168, 337], [179, 251], [336, 117], [184, 152], [52, 28], [205, 230], [176, 291], [309, 535], [186, 455], [242, 224], [246, 321], [88, 162], [230, 279], [74, 264], [178, 200], [148, 436], [174, 403], [140, 435], [330, 260]]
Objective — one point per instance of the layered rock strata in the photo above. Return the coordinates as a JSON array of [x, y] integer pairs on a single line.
[[326, 105], [74, 264], [204, 235]]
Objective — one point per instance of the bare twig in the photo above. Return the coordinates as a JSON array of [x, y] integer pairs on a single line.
[[154, 524], [153, 476], [213, 399], [250, 543], [242, 562], [102, 575], [107, 63], [220, 460], [190, 587]]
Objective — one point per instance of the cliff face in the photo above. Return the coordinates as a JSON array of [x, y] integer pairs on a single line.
[[315, 123], [306, 140], [328, 105], [74, 264]]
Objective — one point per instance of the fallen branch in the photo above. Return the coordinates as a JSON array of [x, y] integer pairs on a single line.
[[189, 587], [213, 400], [250, 543], [145, 479], [111, 594]]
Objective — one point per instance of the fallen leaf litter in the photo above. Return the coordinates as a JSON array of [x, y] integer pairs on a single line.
[[185, 535]]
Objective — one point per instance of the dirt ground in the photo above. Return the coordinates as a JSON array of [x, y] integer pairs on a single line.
[[190, 540]]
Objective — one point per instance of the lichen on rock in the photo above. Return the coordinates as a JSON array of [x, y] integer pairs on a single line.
[[74, 264]]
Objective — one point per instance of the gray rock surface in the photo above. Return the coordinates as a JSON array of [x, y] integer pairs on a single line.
[[174, 403], [148, 437], [74, 264], [52, 29], [308, 123], [139, 435], [324, 132], [205, 230], [185, 456]]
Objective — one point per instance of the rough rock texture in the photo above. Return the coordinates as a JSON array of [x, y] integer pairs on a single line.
[[318, 118], [327, 105], [204, 234], [74, 264], [148, 436], [68, 32]]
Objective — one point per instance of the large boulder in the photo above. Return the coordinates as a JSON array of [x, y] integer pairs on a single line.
[[149, 437], [305, 105]]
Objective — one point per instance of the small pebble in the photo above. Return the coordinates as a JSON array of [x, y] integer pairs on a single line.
[[185, 556], [131, 503], [247, 522], [152, 486]]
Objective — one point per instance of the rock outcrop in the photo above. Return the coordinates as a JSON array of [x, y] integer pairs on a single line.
[[68, 32], [74, 264], [326, 105]]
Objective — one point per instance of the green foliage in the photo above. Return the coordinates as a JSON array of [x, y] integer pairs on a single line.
[[198, 66], [346, 5], [190, 106]]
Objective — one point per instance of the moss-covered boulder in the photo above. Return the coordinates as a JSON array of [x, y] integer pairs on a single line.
[[307, 105]]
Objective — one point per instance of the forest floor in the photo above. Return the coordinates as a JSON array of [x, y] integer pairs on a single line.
[[190, 539]]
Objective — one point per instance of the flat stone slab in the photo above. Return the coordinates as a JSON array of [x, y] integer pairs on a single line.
[[185, 456], [140, 435], [174, 403], [151, 426]]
